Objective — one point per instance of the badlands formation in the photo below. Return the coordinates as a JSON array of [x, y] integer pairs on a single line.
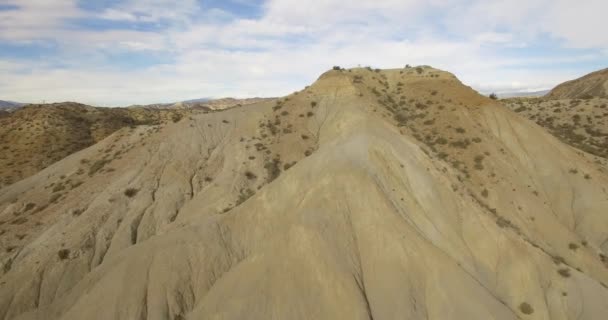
[[35, 136], [371, 194], [576, 112]]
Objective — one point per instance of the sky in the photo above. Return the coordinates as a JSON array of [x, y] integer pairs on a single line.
[[123, 52]]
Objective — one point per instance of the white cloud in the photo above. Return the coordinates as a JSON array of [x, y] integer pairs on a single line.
[[151, 10], [292, 42]]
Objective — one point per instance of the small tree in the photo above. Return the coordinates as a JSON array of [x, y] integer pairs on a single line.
[[337, 68], [493, 96]]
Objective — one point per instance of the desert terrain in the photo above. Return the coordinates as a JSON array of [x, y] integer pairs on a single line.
[[370, 194]]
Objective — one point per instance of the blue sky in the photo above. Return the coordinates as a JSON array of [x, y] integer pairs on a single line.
[[121, 52]]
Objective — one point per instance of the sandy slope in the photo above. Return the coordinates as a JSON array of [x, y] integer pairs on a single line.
[[369, 195], [591, 85]]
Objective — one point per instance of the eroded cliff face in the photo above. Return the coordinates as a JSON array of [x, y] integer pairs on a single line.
[[369, 195]]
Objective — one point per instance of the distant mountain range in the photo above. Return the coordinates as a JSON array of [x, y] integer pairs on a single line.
[[206, 103], [522, 94], [10, 105]]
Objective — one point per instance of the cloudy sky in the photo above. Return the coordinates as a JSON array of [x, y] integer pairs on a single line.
[[120, 52]]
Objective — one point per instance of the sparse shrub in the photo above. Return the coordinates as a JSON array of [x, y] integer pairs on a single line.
[[558, 260], [463, 144], [288, 165], [503, 223], [98, 165], [63, 254], [259, 146], [526, 308], [521, 109], [250, 175], [208, 179], [485, 193], [421, 106], [441, 140], [55, 197], [337, 68], [273, 169], [401, 118], [493, 96], [244, 195], [573, 246], [176, 117], [305, 137], [313, 104], [564, 272], [21, 220], [76, 184], [310, 114], [131, 192]]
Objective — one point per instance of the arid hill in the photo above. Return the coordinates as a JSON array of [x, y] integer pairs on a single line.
[[371, 194], [593, 85], [576, 112], [35, 136], [582, 123]]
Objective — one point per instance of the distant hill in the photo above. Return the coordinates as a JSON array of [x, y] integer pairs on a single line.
[[34, 136], [522, 94], [198, 100], [10, 105], [582, 123], [205, 104], [593, 85]]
